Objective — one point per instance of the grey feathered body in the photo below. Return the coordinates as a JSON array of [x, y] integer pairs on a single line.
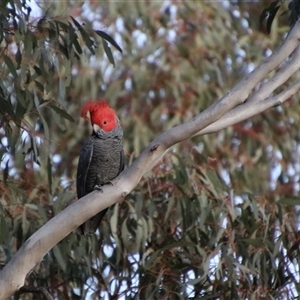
[[101, 160]]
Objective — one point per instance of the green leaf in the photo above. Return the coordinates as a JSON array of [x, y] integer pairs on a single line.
[[4, 9], [272, 14], [107, 37], [28, 44], [88, 41], [53, 32], [289, 201], [6, 108], [229, 262], [59, 258], [74, 39], [280, 214], [254, 205], [180, 169], [20, 109], [32, 206], [25, 222], [171, 202], [1, 33], [62, 25], [215, 180], [114, 232], [269, 13], [254, 242], [18, 58], [49, 173], [77, 45], [5, 172], [76, 23], [125, 234], [39, 85], [10, 65], [37, 70], [64, 50], [3, 229], [35, 151], [139, 204], [72, 34], [62, 113]]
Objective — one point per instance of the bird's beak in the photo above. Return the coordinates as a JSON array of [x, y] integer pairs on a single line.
[[96, 127], [88, 115]]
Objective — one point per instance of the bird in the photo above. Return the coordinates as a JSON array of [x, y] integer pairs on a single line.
[[101, 157]]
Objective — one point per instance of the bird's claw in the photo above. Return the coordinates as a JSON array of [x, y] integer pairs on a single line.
[[98, 188]]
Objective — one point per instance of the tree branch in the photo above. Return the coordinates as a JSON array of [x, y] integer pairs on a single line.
[[250, 109], [32, 289], [261, 99], [229, 110]]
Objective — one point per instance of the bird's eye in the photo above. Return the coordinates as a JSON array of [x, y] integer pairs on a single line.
[[104, 122]]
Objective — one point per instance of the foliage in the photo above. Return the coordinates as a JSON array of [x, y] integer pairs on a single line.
[[217, 218], [269, 13]]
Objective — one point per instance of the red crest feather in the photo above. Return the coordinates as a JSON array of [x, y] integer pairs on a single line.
[[100, 113]]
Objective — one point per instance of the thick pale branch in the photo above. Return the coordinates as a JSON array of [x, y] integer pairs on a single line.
[[279, 78], [261, 99], [250, 109], [13, 275], [243, 89]]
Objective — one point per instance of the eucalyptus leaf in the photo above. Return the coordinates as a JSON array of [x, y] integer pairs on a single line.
[[10, 64], [108, 38], [62, 113]]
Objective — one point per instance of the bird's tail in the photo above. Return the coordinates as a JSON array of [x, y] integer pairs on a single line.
[[91, 225]]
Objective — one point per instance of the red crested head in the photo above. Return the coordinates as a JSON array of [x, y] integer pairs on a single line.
[[100, 113]]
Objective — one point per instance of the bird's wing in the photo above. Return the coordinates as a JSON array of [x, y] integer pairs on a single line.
[[122, 161], [85, 158], [90, 226]]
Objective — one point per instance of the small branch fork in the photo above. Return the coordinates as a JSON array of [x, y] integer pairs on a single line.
[[241, 103], [263, 98]]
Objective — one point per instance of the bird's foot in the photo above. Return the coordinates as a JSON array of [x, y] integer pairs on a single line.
[[98, 188]]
